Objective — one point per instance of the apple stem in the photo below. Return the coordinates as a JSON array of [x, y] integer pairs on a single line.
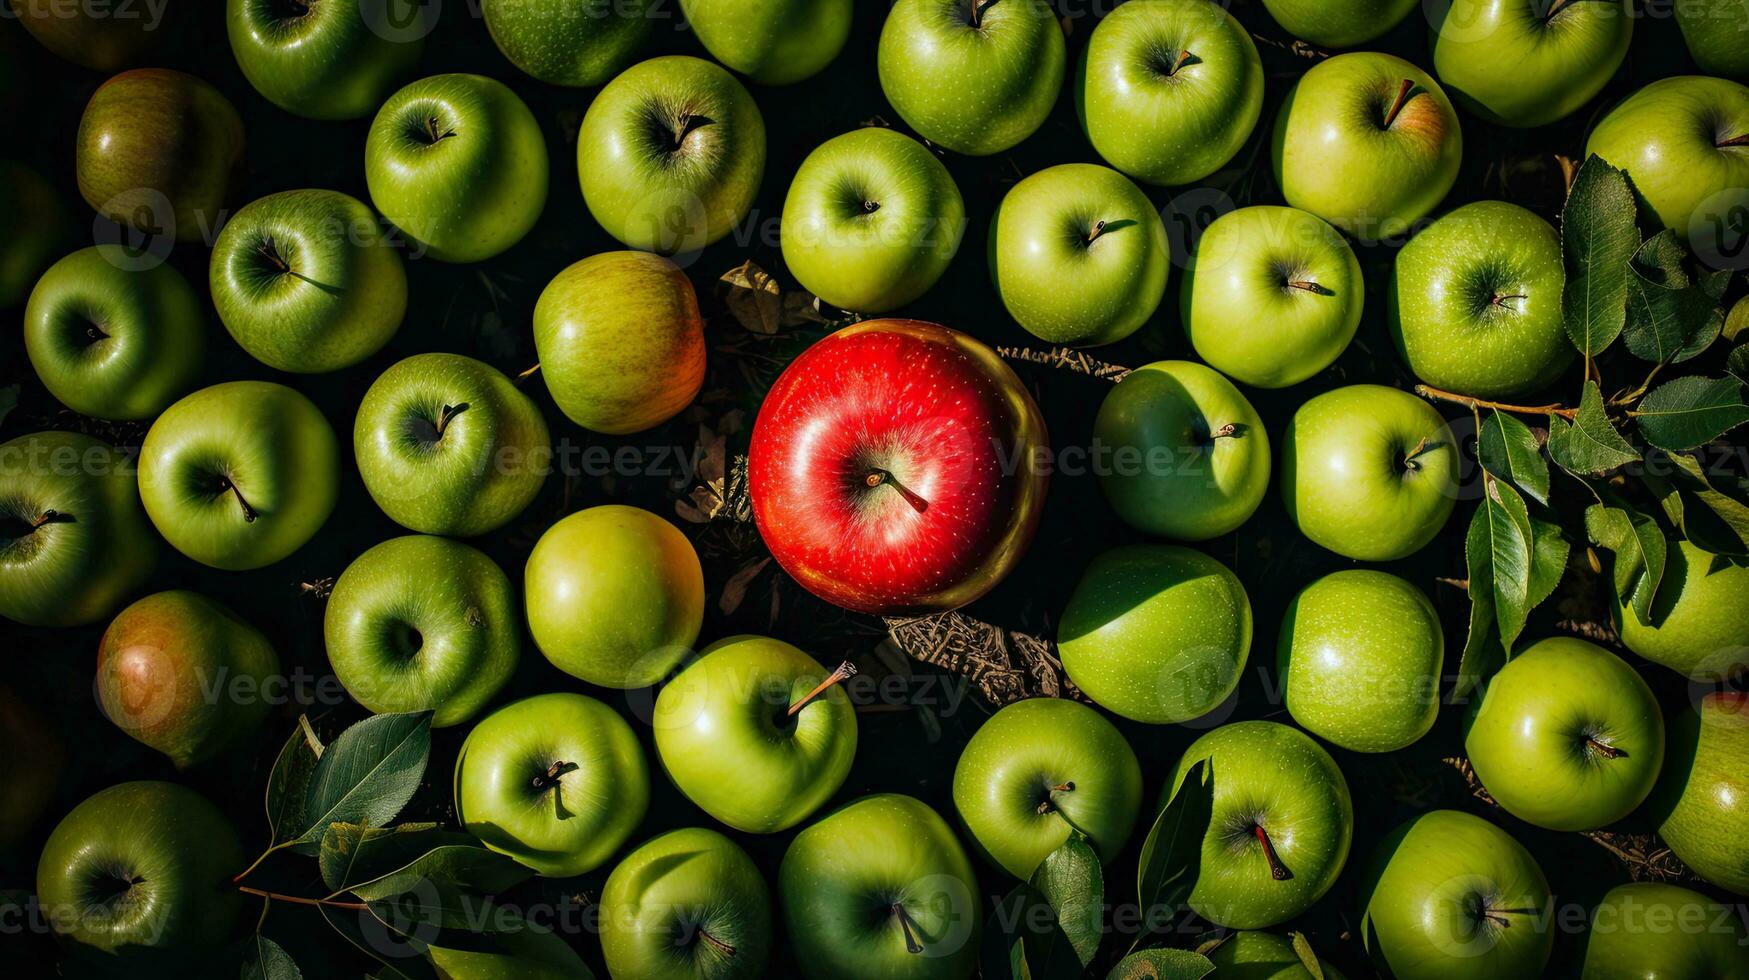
[[1097, 230], [49, 517], [531, 372], [1277, 870], [550, 779], [717, 944], [431, 133], [877, 477], [1739, 140], [1049, 803], [1428, 391], [688, 123], [911, 943], [1227, 431], [1499, 300], [445, 417], [249, 514], [1554, 8], [845, 671], [1183, 56], [301, 900], [1310, 286], [1605, 749], [1403, 91], [870, 207], [1499, 916], [978, 8]]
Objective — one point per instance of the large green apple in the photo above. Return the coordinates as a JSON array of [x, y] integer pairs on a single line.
[[670, 154], [419, 623], [1169, 90], [1338, 23], [1280, 825], [567, 42], [1264, 956], [1271, 296], [615, 596], [1700, 616], [1184, 453], [333, 59], [1684, 142], [1566, 736], [1698, 802], [1368, 142], [686, 905], [621, 342], [38, 229], [1039, 770], [773, 42], [1649, 930], [1359, 660], [1522, 64], [880, 887], [1369, 472], [1474, 303], [241, 474], [871, 220], [555, 781], [1450, 896], [74, 541], [972, 77], [185, 675], [1713, 32], [111, 340], [459, 163], [448, 445], [1156, 633], [727, 737], [142, 864], [1078, 254]]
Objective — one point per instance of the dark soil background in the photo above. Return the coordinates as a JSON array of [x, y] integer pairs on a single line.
[[909, 744]]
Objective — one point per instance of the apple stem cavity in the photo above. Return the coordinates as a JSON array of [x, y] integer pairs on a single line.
[[445, 417], [876, 478], [1277, 870], [845, 671], [716, 944], [226, 486], [1468, 401], [911, 944], [1403, 91], [301, 900]]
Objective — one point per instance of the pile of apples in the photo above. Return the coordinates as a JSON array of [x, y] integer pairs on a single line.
[[896, 468]]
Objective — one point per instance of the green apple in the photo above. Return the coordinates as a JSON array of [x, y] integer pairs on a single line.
[[670, 154], [241, 474], [728, 737], [555, 781], [564, 42], [871, 220], [530, 952], [142, 864], [773, 42], [1684, 142], [1338, 23], [305, 281], [459, 163], [419, 623], [972, 77], [621, 342], [1078, 254], [74, 541], [185, 675], [1169, 90], [111, 340], [448, 445], [1525, 64], [162, 151], [1264, 956], [1648, 930], [880, 887], [100, 36], [1156, 633], [1474, 303], [1188, 457], [1697, 805], [687, 904], [1369, 472], [1450, 896], [1280, 825], [35, 765], [334, 59], [1271, 296], [1039, 770], [1368, 142], [38, 230], [1566, 736], [1700, 616], [1359, 660], [1713, 33], [615, 596]]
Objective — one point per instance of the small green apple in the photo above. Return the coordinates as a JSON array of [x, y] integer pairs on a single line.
[[1648, 930], [333, 59], [1700, 616], [1684, 143], [686, 905], [1338, 23], [564, 42], [1527, 64], [773, 42], [1254, 955], [38, 225], [1697, 805]]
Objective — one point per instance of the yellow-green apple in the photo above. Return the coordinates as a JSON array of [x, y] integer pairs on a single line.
[[1156, 633], [615, 596], [562, 42], [1039, 770], [1523, 63], [686, 904], [1369, 472], [112, 340], [773, 42], [100, 36], [621, 342], [332, 59], [871, 220], [756, 733], [1271, 296], [1169, 90], [555, 781], [1338, 23], [1713, 33], [458, 163], [241, 474], [1700, 616], [898, 468], [1185, 454], [1684, 143], [36, 759], [1697, 805], [1252, 955], [1649, 930], [1078, 254], [39, 230]]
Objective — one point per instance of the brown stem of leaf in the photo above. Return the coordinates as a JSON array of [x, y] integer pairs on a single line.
[[1436, 394]]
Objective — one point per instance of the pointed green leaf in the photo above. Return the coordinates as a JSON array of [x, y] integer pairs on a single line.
[[349, 853], [1509, 553], [1023, 940], [264, 959], [1737, 362], [1070, 878], [1590, 446], [1672, 316], [1172, 851], [1598, 238], [367, 775], [1308, 957], [288, 783], [1548, 559], [1483, 653], [402, 957], [1637, 545], [1690, 412], [1162, 964], [468, 866], [1508, 449], [1711, 509]]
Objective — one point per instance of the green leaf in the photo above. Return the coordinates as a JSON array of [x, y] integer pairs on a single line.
[[349, 853], [401, 956], [367, 775], [289, 782], [1509, 450], [1482, 654], [1023, 940], [1598, 238], [263, 959], [1172, 851], [1070, 878], [468, 866], [1712, 513], [1162, 964], [1590, 446], [1690, 412], [1672, 316], [1737, 362], [1509, 542], [1638, 546], [1308, 957]]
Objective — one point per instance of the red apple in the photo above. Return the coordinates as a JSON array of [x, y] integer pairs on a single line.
[[898, 468]]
